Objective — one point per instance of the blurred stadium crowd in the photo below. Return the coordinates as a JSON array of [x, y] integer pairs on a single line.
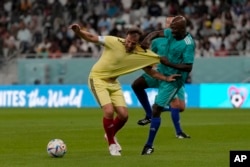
[[38, 28]]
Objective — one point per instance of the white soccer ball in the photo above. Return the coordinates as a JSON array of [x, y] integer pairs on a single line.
[[56, 148], [237, 100]]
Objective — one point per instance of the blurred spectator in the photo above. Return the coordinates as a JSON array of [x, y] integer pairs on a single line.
[[54, 51], [189, 9], [2, 57], [10, 45], [88, 47], [202, 8], [228, 22], [93, 19], [64, 45], [215, 40], [218, 24], [24, 36], [224, 6], [25, 6], [74, 48], [233, 51], [136, 4], [147, 23], [212, 23], [104, 22], [113, 9], [243, 23], [44, 45], [222, 51], [207, 29], [207, 50], [172, 7], [214, 9], [154, 9]]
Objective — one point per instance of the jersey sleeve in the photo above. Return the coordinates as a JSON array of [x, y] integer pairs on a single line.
[[167, 32], [188, 55], [154, 46], [101, 40], [109, 41]]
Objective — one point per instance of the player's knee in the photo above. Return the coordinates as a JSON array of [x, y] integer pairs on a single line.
[[182, 106], [135, 86], [176, 103], [123, 116], [182, 109], [108, 114], [157, 110], [139, 84], [108, 111], [122, 113]]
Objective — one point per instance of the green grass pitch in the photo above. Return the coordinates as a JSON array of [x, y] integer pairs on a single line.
[[24, 134]]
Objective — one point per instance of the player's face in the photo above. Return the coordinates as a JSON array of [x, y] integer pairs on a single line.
[[178, 27], [131, 41], [177, 31]]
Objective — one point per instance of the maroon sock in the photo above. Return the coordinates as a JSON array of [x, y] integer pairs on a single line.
[[109, 129], [118, 124]]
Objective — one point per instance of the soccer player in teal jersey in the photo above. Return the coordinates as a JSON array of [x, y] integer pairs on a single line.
[[178, 58], [177, 105], [145, 81]]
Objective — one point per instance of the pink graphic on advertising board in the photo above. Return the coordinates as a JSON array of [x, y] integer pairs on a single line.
[[238, 95]]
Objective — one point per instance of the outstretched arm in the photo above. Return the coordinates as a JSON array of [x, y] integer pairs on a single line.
[[155, 74], [147, 40], [84, 34]]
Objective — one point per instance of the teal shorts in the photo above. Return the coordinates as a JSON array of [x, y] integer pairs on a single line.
[[166, 90]]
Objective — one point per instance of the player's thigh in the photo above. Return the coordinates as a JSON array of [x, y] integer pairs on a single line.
[[181, 94], [179, 100], [166, 93], [100, 91], [151, 82], [116, 95]]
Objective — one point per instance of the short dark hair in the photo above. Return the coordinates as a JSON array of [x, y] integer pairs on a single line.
[[135, 30]]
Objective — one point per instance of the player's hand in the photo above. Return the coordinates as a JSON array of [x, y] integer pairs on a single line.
[[173, 77], [75, 27], [145, 44]]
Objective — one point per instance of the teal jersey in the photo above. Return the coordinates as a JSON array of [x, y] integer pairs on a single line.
[[176, 51], [159, 46]]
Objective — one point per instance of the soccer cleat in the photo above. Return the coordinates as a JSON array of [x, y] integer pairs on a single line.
[[114, 150], [119, 147], [182, 135], [147, 150], [144, 121]]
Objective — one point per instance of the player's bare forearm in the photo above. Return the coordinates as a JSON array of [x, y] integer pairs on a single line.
[[152, 35], [84, 34], [183, 67], [155, 74], [88, 36], [147, 40]]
